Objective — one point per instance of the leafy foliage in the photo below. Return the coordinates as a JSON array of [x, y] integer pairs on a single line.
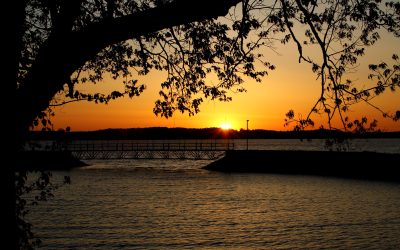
[[31, 191], [213, 57], [341, 31], [191, 53]]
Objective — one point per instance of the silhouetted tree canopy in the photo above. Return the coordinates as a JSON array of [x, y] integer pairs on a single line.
[[64, 43]]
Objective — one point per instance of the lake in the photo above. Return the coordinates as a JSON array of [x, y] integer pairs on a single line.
[[174, 204]]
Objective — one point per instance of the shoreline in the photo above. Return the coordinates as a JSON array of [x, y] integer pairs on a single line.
[[47, 161], [354, 165]]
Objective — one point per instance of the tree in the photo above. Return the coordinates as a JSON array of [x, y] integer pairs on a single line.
[[62, 44], [342, 31]]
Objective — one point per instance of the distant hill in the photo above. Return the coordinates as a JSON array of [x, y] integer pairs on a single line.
[[164, 133]]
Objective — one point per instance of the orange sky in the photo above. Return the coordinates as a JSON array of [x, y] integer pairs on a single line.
[[290, 86]]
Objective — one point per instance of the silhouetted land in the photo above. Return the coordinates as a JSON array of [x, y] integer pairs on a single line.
[[359, 165], [46, 160], [163, 133], [355, 165]]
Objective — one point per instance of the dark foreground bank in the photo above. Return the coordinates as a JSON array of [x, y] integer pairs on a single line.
[[357, 165], [46, 160]]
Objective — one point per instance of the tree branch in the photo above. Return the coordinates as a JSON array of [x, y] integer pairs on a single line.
[[65, 52]]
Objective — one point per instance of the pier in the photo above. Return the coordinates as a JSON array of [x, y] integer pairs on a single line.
[[148, 150]]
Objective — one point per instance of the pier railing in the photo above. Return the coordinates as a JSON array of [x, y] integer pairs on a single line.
[[149, 146], [148, 150]]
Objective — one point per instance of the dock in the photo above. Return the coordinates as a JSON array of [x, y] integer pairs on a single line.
[[148, 150]]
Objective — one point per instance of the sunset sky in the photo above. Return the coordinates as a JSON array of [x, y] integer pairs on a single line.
[[290, 86]]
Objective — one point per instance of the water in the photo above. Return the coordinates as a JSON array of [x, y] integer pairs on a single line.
[[382, 145], [156, 204]]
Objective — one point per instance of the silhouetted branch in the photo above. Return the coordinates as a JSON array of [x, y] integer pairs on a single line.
[[65, 51]]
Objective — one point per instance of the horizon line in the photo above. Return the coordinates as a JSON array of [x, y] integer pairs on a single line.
[[229, 129]]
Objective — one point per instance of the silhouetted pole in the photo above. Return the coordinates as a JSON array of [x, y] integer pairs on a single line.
[[247, 136]]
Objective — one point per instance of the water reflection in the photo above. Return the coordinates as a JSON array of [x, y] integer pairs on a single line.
[[146, 205]]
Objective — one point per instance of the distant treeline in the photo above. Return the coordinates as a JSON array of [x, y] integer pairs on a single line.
[[163, 133]]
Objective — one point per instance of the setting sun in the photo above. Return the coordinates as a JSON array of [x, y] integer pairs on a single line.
[[225, 126]]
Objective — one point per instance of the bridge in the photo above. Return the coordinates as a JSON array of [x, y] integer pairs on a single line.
[[148, 150]]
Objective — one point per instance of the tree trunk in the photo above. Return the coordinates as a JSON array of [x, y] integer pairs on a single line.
[[65, 52]]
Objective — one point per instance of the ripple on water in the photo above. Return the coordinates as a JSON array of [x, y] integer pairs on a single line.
[[146, 205]]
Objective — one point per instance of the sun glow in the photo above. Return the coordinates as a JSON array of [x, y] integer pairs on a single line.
[[225, 126]]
